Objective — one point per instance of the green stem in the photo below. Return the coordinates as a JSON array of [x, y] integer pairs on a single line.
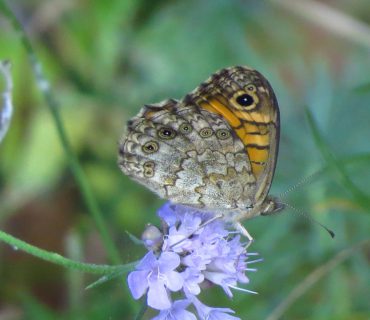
[[54, 108], [60, 260]]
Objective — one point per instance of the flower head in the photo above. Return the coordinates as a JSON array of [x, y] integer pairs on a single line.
[[195, 251], [158, 276]]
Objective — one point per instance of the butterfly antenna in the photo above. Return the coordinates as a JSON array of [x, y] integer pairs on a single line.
[[309, 218], [304, 181]]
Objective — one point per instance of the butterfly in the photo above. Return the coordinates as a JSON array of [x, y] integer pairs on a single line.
[[215, 149]]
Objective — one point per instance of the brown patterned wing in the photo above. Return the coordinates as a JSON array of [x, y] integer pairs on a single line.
[[245, 99], [187, 155]]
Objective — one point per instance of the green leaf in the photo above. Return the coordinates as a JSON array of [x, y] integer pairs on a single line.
[[124, 269]]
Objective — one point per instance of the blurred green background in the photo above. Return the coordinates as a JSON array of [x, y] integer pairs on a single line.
[[105, 59]]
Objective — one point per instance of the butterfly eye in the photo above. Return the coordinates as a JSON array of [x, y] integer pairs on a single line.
[[150, 147], [245, 100], [166, 133]]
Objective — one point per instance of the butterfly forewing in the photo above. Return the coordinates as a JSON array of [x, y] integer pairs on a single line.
[[245, 99]]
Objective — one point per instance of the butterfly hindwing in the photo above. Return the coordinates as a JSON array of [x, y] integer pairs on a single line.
[[200, 163]]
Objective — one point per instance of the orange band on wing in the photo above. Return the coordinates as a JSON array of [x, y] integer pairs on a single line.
[[216, 106], [258, 159], [251, 127], [259, 139], [253, 116], [256, 134]]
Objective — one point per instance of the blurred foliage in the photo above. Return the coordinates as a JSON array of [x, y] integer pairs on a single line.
[[105, 60]]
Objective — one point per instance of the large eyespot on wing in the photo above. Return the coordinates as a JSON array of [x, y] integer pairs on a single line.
[[245, 99]]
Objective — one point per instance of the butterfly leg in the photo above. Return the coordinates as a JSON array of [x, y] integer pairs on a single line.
[[239, 227], [219, 216]]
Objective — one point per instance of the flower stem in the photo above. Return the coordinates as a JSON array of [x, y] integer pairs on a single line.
[[53, 106], [56, 258]]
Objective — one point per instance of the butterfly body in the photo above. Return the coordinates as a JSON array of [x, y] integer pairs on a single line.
[[215, 149]]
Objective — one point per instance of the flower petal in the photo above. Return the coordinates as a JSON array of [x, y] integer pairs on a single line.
[[210, 313], [158, 297], [176, 312], [192, 278], [138, 283], [168, 214], [174, 281], [148, 262], [168, 261]]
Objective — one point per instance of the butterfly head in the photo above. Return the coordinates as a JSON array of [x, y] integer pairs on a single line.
[[271, 205]]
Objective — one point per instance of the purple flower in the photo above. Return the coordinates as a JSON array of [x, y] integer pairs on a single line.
[[177, 311], [158, 275], [193, 253], [192, 278], [210, 313]]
